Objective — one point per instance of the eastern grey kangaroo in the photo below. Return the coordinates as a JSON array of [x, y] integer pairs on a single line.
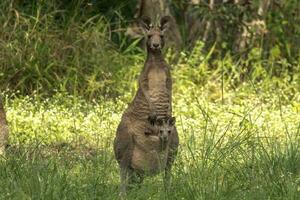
[[136, 147]]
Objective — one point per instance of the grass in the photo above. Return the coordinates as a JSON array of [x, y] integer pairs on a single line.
[[246, 148], [68, 84], [47, 47]]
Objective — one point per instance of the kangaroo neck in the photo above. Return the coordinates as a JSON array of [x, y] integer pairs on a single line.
[[154, 56]]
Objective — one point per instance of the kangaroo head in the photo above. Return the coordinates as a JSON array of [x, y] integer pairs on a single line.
[[165, 127], [155, 32]]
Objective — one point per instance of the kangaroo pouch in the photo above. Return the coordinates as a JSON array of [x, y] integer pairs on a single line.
[[147, 156], [149, 162]]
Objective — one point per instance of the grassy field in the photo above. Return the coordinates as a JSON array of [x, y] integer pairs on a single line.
[[246, 146], [67, 73]]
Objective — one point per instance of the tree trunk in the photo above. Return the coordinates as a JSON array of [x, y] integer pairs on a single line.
[[253, 29]]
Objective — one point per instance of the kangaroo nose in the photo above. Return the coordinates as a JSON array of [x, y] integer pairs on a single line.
[[164, 137], [156, 45]]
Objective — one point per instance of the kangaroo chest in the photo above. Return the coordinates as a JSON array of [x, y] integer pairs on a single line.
[[157, 79], [157, 85]]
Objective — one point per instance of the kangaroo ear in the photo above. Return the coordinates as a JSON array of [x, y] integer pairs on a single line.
[[172, 121], [165, 23], [145, 23]]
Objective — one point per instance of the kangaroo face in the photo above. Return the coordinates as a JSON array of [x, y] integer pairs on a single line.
[[155, 39], [164, 128], [164, 132], [155, 33]]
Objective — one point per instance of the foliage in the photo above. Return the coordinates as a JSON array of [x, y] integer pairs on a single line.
[[68, 71], [43, 50], [79, 47]]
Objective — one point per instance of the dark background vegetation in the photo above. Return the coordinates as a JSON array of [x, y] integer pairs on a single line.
[[81, 47]]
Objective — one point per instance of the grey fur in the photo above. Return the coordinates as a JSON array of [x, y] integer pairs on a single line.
[[3, 129], [137, 153]]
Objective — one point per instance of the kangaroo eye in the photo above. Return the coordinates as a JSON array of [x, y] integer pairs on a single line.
[[161, 131], [169, 132]]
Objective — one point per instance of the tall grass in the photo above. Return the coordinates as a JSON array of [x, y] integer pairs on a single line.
[[68, 83], [61, 148], [45, 49]]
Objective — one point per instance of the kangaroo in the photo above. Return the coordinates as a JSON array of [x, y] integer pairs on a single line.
[[152, 101], [154, 95], [3, 129], [150, 154]]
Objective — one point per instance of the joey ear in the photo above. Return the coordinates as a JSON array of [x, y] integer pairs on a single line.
[[165, 23], [172, 121], [145, 23], [152, 120], [147, 133]]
